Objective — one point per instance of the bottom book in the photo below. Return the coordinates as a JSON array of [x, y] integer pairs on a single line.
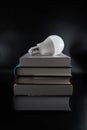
[[41, 103]]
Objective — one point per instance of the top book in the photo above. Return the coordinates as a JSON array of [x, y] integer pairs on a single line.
[[60, 60]]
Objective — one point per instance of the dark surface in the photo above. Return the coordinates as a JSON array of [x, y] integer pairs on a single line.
[[76, 119]]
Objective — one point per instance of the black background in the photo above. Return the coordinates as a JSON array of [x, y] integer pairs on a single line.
[[21, 28]]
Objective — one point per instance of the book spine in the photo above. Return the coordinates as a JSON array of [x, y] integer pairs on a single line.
[[41, 103], [42, 71], [42, 80], [43, 90], [45, 62]]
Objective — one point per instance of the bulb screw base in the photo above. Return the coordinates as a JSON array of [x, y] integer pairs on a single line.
[[33, 51]]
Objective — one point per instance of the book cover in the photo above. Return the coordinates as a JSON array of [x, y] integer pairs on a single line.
[[43, 90], [42, 80], [41, 103], [54, 61], [42, 71]]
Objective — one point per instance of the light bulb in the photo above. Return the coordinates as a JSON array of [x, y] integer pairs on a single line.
[[53, 45]]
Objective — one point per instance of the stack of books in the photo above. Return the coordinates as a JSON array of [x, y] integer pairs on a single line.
[[43, 83]]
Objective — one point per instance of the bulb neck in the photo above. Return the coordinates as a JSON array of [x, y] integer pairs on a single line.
[[34, 51]]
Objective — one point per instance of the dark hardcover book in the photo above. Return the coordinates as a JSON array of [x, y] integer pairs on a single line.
[[60, 60], [43, 90], [42, 71], [42, 80], [24, 103]]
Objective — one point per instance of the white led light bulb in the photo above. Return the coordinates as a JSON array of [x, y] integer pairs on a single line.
[[53, 45]]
